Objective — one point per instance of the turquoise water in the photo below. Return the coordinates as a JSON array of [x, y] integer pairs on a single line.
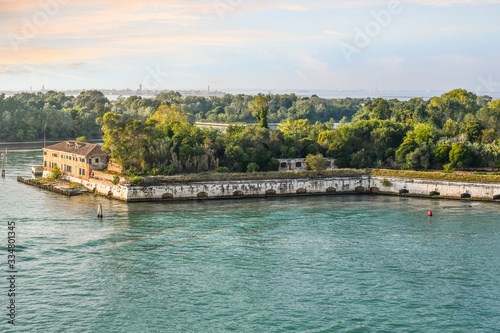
[[315, 264]]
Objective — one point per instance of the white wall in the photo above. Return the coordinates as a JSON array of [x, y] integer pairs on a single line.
[[424, 187], [263, 188], [255, 188]]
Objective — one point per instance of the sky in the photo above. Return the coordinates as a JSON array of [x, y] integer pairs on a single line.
[[244, 44]]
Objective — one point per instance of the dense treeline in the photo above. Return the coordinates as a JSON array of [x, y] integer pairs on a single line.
[[157, 135], [28, 116], [167, 143], [456, 130]]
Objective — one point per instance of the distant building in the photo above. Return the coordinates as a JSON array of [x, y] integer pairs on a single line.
[[299, 164], [75, 159]]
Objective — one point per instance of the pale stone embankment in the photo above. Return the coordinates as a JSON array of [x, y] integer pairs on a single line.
[[232, 189]]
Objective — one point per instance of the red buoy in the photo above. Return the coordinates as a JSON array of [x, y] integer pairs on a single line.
[[430, 213]]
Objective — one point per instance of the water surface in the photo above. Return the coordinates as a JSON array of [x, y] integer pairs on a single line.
[[315, 264]]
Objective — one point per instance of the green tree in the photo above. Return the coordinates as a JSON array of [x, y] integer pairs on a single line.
[[441, 154], [127, 139], [473, 130], [424, 133], [317, 162], [260, 108], [460, 155], [380, 109], [451, 128], [253, 167], [56, 173]]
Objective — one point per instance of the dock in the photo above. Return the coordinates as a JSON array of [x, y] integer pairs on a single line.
[[53, 187]]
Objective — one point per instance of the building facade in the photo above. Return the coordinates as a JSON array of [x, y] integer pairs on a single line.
[[75, 159]]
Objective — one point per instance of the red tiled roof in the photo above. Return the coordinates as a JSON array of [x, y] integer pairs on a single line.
[[79, 148]]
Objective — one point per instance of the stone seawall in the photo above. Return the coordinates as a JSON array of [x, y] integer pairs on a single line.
[[103, 188], [435, 188], [50, 187], [249, 189], [293, 187]]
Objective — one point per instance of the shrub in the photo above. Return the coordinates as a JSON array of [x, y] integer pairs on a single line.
[[132, 172], [154, 172], [137, 180], [81, 139], [116, 180], [252, 167], [222, 170], [448, 168], [386, 183], [171, 170], [56, 173], [317, 162]]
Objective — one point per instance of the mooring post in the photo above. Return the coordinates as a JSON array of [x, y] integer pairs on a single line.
[[99, 211], [3, 173]]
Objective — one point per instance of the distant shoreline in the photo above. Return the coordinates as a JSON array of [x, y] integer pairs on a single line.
[[32, 145]]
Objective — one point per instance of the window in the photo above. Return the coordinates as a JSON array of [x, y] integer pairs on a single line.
[[97, 160], [283, 164], [82, 160], [54, 154], [298, 165], [90, 161], [44, 164], [68, 168], [81, 172], [45, 153]]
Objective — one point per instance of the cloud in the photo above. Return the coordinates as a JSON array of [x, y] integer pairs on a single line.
[[121, 37], [12, 70], [32, 69], [336, 33], [310, 63]]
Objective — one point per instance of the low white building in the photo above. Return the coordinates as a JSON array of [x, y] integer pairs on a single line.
[[299, 164]]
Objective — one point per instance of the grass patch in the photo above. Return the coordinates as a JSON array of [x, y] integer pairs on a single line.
[[45, 181], [49, 181], [478, 178], [214, 176], [278, 175]]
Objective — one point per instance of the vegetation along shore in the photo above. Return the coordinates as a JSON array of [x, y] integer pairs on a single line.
[[157, 136]]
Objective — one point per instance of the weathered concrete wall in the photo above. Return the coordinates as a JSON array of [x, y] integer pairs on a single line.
[[290, 187], [254, 188], [106, 177], [103, 188], [435, 188]]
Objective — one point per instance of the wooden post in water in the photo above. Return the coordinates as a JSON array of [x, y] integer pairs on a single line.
[[4, 162], [99, 211]]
